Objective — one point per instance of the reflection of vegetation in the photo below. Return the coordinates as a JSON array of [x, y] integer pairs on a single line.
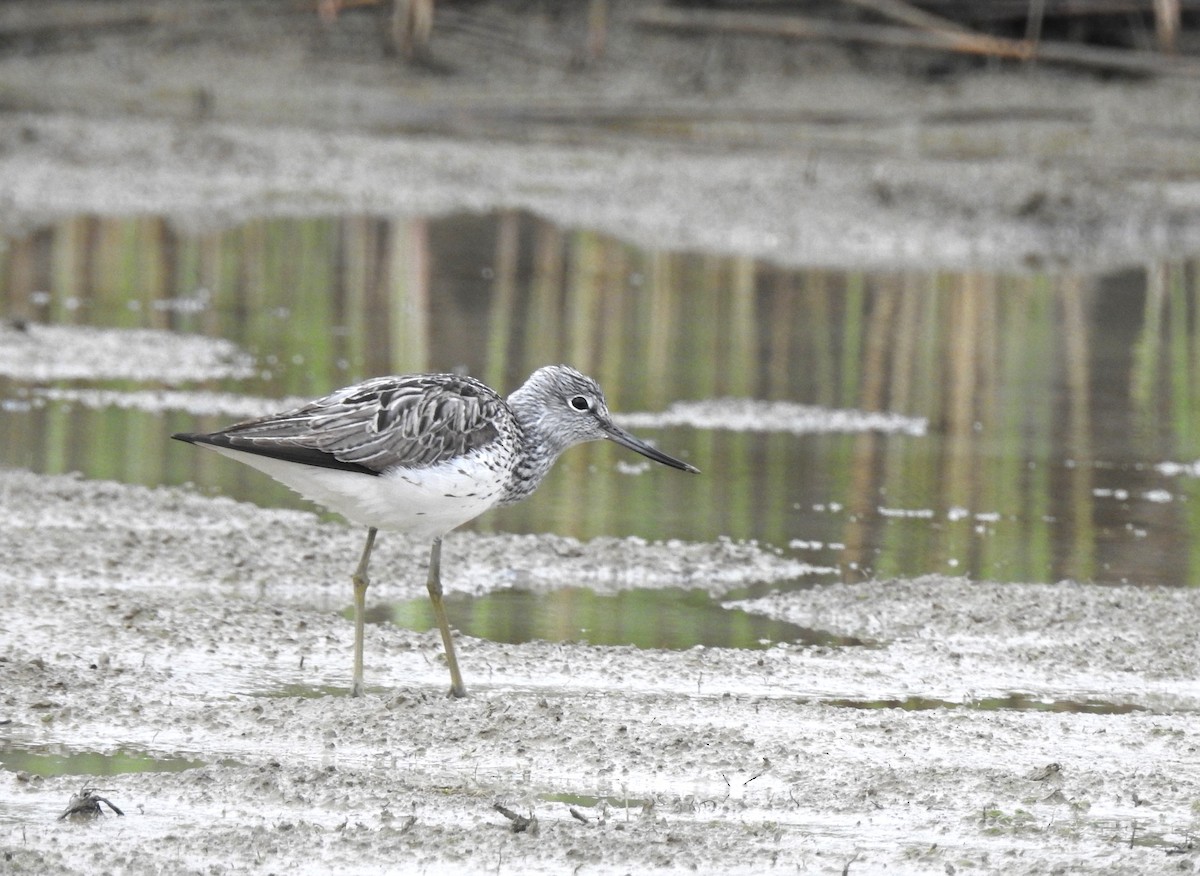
[[1165, 386], [589, 801], [670, 619], [1022, 379]]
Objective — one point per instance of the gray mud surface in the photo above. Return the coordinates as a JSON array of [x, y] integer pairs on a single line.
[[200, 632]]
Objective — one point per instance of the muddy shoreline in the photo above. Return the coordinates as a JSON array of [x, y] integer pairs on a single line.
[[205, 633]]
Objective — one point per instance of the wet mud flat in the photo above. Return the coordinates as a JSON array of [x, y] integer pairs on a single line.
[[187, 657]]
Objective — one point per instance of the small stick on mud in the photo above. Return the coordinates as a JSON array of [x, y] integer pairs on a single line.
[[86, 804], [520, 823], [1184, 847]]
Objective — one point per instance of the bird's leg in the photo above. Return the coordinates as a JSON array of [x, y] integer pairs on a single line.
[[434, 583], [361, 582]]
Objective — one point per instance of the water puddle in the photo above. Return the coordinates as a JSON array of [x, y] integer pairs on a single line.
[[669, 619], [61, 760], [305, 691], [607, 803], [1014, 702]]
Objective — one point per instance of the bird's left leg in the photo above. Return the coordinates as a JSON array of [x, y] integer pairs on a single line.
[[361, 582]]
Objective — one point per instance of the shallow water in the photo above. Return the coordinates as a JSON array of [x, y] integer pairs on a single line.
[[1017, 702], [1055, 435], [668, 618], [60, 760]]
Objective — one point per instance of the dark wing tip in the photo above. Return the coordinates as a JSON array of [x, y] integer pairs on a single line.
[[191, 437], [310, 456]]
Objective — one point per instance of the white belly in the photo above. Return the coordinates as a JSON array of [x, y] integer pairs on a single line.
[[426, 502]]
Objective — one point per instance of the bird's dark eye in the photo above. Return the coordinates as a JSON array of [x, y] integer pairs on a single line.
[[581, 403]]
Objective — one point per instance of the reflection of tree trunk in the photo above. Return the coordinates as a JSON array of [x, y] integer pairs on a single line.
[[854, 313], [904, 340], [504, 298], [21, 280], [963, 361], [742, 368], [163, 267], [1147, 353], [1081, 562], [963, 336], [210, 274], [65, 271], [1187, 277], [862, 498], [406, 282], [783, 311], [583, 299], [961, 460], [880, 329], [88, 283], [252, 277], [543, 340], [353, 293], [662, 347], [903, 476], [707, 293], [987, 357], [816, 296], [611, 329]]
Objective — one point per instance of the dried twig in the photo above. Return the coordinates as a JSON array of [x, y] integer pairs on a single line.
[[520, 823], [957, 40], [86, 804], [906, 13]]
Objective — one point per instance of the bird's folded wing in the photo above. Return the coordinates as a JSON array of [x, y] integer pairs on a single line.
[[412, 422]]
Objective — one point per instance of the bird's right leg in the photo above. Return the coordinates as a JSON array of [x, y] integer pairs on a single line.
[[361, 583], [434, 585]]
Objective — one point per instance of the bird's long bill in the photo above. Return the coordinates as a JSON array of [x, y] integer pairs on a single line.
[[623, 438]]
